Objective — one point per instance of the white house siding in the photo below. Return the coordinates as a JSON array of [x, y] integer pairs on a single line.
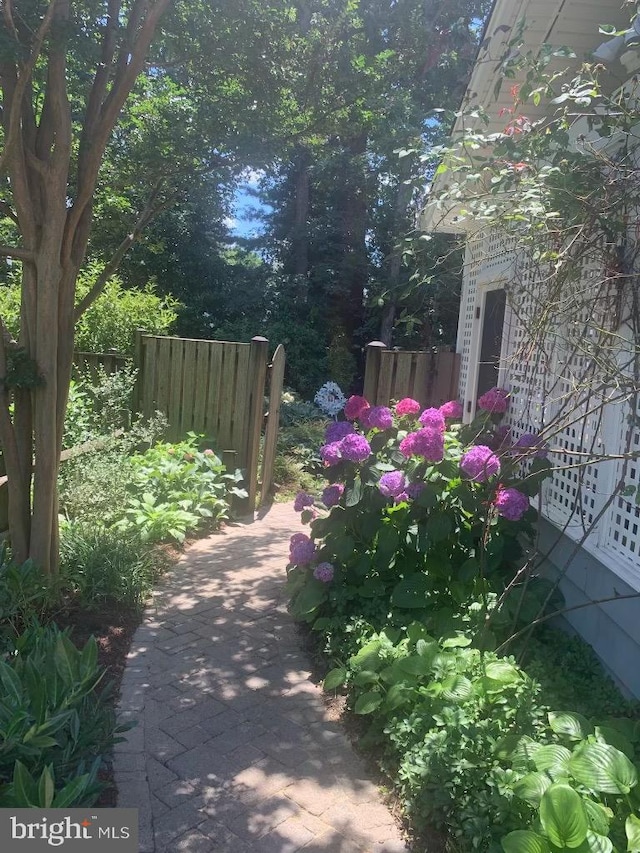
[[544, 383]]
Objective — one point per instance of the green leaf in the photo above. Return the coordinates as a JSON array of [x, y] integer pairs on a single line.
[[632, 829], [335, 678], [503, 672], [71, 793], [531, 787], [368, 657], [524, 841], [554, 759], [312, 595], [411, 591], [64, 659], [365, 677], [574, 726], [23, 786], [439, 526], [368, 702], [599, 816], [563, 816], [353, 495], [602, 767], [595, 843], [459, 642], [46, 788], [11, 684], [457, 688]]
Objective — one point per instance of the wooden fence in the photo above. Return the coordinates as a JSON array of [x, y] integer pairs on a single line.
[[276, 380], [211, 387], [109, 361], [431, 378]]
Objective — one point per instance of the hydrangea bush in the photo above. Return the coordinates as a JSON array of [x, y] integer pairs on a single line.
[[421, 516]]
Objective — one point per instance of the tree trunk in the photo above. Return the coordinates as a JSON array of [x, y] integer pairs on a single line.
[[403, 197], [300, 235], [355, 260]]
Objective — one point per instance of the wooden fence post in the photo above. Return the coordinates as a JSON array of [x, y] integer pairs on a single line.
[[138, 356], [258, 359], [372, 370]]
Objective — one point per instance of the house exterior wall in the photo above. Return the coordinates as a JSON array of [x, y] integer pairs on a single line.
[[592, 539]]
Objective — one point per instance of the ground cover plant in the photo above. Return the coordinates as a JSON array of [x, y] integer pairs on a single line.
[[415, 574]]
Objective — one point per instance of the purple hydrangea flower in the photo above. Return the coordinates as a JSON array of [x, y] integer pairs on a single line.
[[392, 484], [337, 430], [302, 501], [379, 417], [301, 549], [429, 442], [479, 463], [332, 494], [355, 447], [331, 454], [529, 441], [433, 419], [403, 496], [494, 400], [354, 408], [324, 572], [414, 490], [511, 504], [408, 406], [451, 410]]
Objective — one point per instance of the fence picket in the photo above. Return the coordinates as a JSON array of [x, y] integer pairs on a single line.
[[429, 377]]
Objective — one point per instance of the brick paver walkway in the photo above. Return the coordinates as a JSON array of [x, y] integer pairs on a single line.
[[233, 751]]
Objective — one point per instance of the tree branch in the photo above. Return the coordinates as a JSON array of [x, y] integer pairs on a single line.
[[18, 253], [12, 122], [149, 211]]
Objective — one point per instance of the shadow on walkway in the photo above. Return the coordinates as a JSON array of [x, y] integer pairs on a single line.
[[233, 751]]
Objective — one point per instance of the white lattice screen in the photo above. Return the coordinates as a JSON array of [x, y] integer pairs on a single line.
[[472, 268], [551, 389]]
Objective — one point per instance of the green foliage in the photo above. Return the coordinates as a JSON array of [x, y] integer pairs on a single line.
[[52, 719], [93, 485], [25, 594], [112, 320], [582, 791], [180, 486], [99, 403], [98, 565]]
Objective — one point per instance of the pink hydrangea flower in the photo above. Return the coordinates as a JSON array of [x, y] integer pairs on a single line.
[[331, 454], [354, 407], [378, 417], [392, 484], [432, 418], [479, 463], [332, 494], [302, 501], [337, 430], [301, 549], [452, 410], [407, 444], [355, 447], [324, 572], [511, 504], [494, 401], [408, 406]]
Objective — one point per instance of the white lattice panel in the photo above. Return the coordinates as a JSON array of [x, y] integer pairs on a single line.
[[472, 267]]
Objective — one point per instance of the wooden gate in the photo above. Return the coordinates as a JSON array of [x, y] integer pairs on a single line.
[[211, 387], [276, 379], [431, 378]]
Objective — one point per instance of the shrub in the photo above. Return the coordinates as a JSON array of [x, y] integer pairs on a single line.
[[56, 724], [422, 529], [26, 594], [99, 565], [180, 486], [111, 322]]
